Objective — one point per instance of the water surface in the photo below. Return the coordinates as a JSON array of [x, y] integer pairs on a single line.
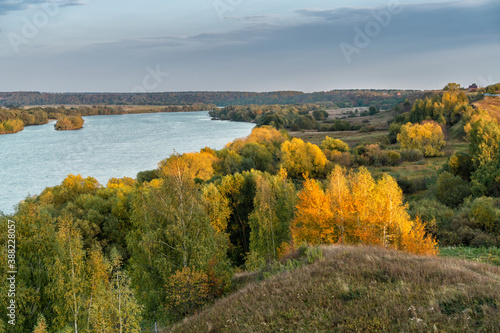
[[106, 147]]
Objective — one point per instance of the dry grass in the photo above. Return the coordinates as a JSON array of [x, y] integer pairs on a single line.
[[490, 104], [352, 138], [362, 289]]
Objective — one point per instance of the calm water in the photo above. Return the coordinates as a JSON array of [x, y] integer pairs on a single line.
[[107, 147]]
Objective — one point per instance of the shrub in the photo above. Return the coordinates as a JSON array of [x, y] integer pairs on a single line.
[[320, 115], [344, 159], [393, 157], [483, 211], [334, 144], [411, 155], [375, 155], [367, 129], [187, 290], [394, 130], [476, 224], [460, 164], [451, 190], [431, 210], [383, 140]]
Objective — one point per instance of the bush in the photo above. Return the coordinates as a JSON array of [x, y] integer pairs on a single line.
[[406, 185], [344, 159], [476, 224], [367, 129], [340, 125], [334, 144], [394, 158], [431, 210], [487, 216], [320, 115], [451, 190], [383, 140], [411, 155], [460, 164], [394, 130]]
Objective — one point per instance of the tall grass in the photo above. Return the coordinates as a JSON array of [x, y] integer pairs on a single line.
[[362, 289]]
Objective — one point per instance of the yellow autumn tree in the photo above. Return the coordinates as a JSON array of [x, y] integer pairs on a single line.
[[391, 219], [427, 137], [266, 135], [362, 186], [341, 202], [313, 222], [195, 165], [301, 157], [217, 207], [356, 209]]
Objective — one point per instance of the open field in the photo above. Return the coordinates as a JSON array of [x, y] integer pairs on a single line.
[[362, 289], [352, 138], [484, 255], [343, 112], [490, 104]]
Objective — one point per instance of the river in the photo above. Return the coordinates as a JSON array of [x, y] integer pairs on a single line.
[[106, 147]]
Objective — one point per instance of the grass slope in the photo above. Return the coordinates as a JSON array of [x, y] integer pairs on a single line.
[[362, 289], [490, 104]]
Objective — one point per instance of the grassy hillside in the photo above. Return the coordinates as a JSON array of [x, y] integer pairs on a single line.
[[362, 289], [490, 104]]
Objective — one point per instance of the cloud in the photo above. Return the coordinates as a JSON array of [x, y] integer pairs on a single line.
[[7, 6], [422, 45]]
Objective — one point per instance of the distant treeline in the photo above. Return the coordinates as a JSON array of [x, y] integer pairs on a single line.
[[342, 98], [292, 117]]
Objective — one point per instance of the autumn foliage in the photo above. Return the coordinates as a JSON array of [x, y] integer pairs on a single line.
[[69, 123], [356, 209], [110, 258], [427, 137]]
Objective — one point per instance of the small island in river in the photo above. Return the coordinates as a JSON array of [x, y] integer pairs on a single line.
[[69, 123]]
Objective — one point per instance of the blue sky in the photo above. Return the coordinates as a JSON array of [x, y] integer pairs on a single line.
[[213, 45]]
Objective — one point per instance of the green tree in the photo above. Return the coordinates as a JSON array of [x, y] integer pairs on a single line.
[[68, 278], [486, 180], [452, 87], [460, 164], [451, 190], [270, 221], [484, 138], [172, 232]]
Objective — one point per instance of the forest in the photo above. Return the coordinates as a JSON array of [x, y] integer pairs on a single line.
[[342, 98], [135, 254]]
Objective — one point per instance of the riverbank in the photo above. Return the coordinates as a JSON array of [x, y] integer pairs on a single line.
[[107, 147], [14, 120]]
